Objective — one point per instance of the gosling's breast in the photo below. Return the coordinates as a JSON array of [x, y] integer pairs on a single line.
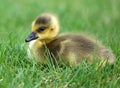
[[30, 49], [36, 51]]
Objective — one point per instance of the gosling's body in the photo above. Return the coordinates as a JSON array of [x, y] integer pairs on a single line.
[[70, 48]]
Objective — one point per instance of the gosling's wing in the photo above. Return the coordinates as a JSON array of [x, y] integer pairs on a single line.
[[78, 41]]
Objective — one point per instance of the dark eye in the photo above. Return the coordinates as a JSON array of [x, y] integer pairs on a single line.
[[41, 29]]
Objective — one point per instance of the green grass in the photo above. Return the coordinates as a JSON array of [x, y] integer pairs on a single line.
[[95, 17]]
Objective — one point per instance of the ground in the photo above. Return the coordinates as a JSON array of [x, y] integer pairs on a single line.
[[99, 18]]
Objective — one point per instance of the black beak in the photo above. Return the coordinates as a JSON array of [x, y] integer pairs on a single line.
[[31, 37]]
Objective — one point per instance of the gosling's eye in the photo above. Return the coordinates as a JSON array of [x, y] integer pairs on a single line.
[[41, 29]]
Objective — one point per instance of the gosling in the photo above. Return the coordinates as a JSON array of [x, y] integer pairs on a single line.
[[46, 43]]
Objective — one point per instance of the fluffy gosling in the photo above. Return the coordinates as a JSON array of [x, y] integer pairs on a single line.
[[45, 42]]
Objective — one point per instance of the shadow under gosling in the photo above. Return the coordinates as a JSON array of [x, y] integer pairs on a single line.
[[45, 42]]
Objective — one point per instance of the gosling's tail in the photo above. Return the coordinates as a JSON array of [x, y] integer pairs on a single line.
[[108, 54]]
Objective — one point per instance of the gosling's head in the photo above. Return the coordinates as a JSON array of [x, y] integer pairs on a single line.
[[44, 27]]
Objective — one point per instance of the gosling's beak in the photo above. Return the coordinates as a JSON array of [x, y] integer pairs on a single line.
[[31, 37]]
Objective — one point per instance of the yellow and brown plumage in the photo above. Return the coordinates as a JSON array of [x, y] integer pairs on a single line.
[[70, 48]]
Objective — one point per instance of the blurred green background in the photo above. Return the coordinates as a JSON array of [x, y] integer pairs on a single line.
[[100, 18]]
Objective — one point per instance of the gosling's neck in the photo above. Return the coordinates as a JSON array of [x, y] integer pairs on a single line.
[[46, 41]]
